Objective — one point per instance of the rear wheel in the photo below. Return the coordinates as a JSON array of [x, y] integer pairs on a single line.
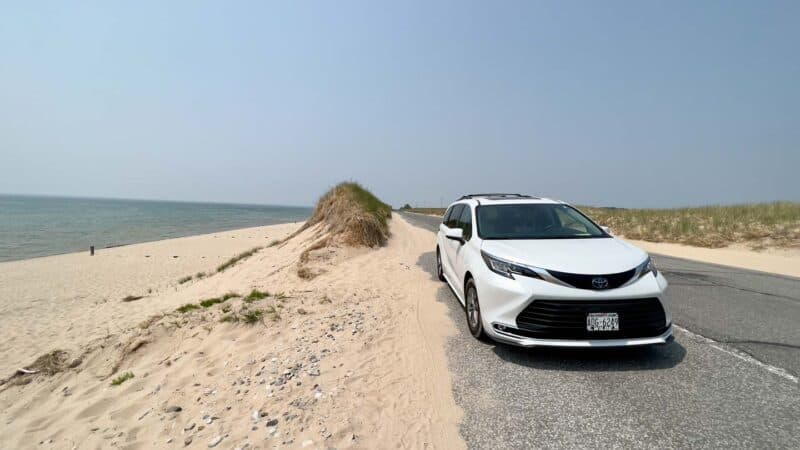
[[439, 272], [473, 310]]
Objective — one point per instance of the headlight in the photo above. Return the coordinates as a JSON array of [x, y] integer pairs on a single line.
[[507, 268], [646, 267]]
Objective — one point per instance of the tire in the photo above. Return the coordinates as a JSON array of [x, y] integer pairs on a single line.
[[473, 310], [439, 271]]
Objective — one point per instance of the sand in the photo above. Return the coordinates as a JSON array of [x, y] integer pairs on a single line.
[[777, 261], [353, 358], [72, 298]]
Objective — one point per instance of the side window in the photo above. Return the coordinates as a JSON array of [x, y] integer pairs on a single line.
[[454, 217], [465, 222], [446, 215]]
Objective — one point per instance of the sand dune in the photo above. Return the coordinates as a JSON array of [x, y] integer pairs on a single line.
[[350, 359]]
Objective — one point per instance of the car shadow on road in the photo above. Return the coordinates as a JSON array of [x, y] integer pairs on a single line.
[[656, 357]]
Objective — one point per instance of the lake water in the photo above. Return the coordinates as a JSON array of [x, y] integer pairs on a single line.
[[39, 226]]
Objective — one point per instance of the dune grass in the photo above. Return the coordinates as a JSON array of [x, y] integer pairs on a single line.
[[255, 295], [122, 378], [187, 307], [229, 263], [352, 214], [757, 225]]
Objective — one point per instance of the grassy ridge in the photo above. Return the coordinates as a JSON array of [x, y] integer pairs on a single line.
[[758, 225], [353, 214], [369, 203]]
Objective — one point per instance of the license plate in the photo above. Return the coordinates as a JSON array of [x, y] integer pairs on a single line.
[[602, 322]]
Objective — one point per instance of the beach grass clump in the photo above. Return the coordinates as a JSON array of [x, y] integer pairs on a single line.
[[185, 279], [209, 302], [122, 378], [187, 307], [757, 225], [200, 275], [229, 263], [251, 316], [255, 295], [132, 298], [229, 318]]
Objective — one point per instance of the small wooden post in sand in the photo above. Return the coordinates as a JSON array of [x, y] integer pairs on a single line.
[[91, 250]]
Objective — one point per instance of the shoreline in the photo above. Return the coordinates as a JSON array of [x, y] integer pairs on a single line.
[[152, 241], [49, 298]]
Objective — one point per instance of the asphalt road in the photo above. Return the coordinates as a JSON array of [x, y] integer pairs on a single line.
[[729, 381]]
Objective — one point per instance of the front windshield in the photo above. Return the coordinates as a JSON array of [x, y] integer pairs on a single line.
[[534, 221]]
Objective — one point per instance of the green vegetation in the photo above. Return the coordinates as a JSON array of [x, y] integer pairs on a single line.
[[209, 302], [248, 316], [255, 295], [229, 263], [251, 316], [187, 307], [229, 318], [757, 225], [122, 378]]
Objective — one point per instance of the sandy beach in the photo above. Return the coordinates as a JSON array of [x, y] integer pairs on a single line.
[[350, 359]]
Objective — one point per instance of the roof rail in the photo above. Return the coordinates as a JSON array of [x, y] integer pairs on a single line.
[[496, 196]]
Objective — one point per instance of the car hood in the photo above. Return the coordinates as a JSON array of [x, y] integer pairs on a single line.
[[584, 256]]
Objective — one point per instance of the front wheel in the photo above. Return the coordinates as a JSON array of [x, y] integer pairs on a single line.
[[473, 310], [439, 272]]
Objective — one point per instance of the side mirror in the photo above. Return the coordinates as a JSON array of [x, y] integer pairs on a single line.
[[606, 229], [456, 234]]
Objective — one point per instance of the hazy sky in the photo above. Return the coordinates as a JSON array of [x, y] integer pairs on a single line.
[[607, 103]]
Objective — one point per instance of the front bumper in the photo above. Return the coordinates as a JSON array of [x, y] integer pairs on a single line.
[[503, 299], [507, 335]]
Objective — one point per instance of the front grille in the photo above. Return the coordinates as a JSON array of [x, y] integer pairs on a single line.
[[581, 281], [566, 319]]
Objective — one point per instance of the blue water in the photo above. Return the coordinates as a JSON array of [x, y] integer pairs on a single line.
[[40, 226]]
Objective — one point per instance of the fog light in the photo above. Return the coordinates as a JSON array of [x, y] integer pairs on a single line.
[[501, 327]]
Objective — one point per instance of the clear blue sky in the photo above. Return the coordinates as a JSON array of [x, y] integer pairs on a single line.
[[607, 103]]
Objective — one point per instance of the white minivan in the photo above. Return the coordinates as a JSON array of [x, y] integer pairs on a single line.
[[537, 272]]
